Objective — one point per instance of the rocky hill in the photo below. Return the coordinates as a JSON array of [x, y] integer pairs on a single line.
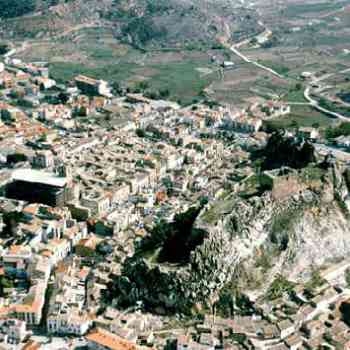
[[247, 240], [154, 23]]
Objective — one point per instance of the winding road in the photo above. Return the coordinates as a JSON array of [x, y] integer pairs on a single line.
[[315, 104], [307, 92]]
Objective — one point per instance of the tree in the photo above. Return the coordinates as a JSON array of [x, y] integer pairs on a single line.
[[203, 201], [5, 283], [164, 93], [314, 282], [278, 287], [347, 276], [43, 138], [16, 8], [298, 86], [294, 124], [140, 133], [16, 158], [143, 85], [168, 185], [63, 97], [4, 48], [254, 41], [345, 311]]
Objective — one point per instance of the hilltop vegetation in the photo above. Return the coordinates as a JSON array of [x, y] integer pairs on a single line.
[[139, 23], [16, 8]]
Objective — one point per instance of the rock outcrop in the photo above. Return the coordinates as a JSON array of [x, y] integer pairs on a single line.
[[307, 228]]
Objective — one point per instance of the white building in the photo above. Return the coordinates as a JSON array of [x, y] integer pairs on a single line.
[[74, 323]]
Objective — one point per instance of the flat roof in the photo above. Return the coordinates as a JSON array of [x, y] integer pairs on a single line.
[[40, 177]]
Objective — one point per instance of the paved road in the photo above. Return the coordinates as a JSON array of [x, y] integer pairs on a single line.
[[307, 93]]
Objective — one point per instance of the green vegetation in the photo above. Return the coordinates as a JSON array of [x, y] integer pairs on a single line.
[[216, 210], [342, 205], [175, 240], [239, 338], [347, 276], [16, 8], [279, 68], [295, 95], [5, 283], [16, 158], [300, 9], [312, 173], [302, 116], [178, 81], [345, 312], [281, 226], [254, 185], [334, 107], [341, 130], [140, 133], [145, 163], [279, 287], [314, 282], [264, 260], [233, 301], [143, 30], [64, 71], [181, 79]]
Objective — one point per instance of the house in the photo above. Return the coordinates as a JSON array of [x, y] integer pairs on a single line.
[[343, 141], [96, 200], [74, 323], [307, 75], [294, 342], [43, 159], [286, 328], [32, 345], [16, 259], [246, 124], [308, 133], [40, 269], [14, 329], [31, 309], [121, 193], [45, 83], [100, 339], [90, 86], [182, 342], [313, 328], [86, 247], [57, 250]]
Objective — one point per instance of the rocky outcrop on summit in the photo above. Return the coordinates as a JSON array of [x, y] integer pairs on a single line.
[[177, 287], [282, 150], [291, 226]]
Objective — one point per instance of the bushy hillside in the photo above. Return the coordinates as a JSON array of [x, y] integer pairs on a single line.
[[168, 23], [141, 23], [15, 8]]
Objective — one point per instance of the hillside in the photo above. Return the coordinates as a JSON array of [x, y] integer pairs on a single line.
[[139, 22], [245, 239]]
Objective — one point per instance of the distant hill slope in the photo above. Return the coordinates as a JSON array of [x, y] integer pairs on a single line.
[[151, 23]]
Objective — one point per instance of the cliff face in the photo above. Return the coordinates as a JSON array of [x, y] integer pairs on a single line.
[[178, 287], [307, 228]]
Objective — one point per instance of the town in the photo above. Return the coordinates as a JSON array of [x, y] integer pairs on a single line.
[[87, 173]]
